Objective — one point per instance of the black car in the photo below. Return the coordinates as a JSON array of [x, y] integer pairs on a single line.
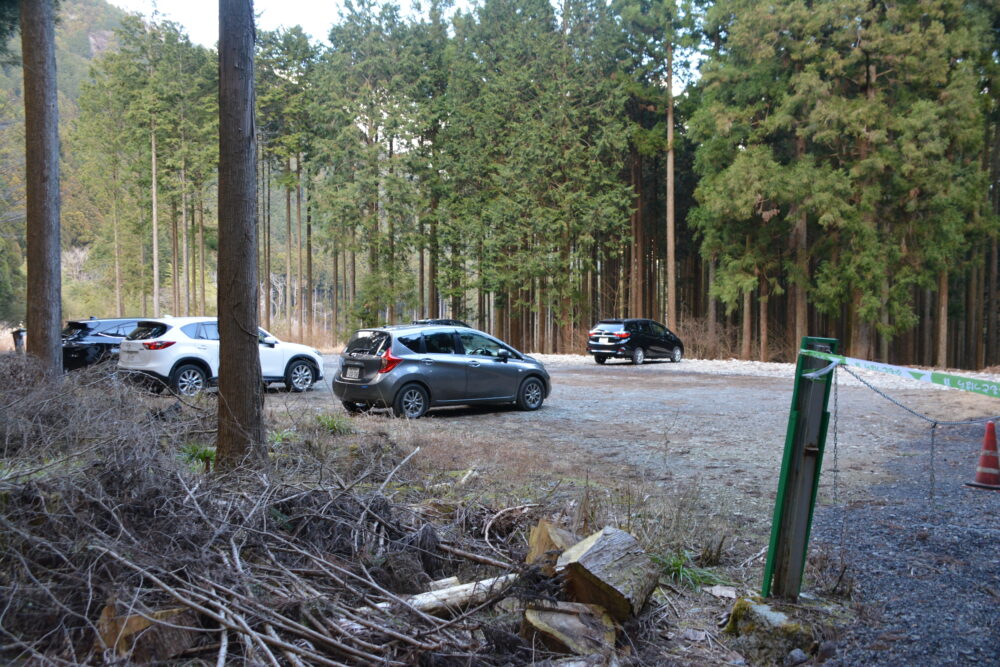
[[637, 339], [86, 342]]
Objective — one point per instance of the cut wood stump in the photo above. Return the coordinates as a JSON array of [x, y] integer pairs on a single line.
[[545, 543], [583, 629], [143, 637], [609, 569]]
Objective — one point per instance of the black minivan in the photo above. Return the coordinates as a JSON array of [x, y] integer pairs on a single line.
[[637, 339]]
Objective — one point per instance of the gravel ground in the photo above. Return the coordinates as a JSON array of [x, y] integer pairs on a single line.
[[921, 548], [925, 568]]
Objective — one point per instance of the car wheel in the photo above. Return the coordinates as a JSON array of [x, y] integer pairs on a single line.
[[411, 402], [600, 358], [531, 394], [638, 356], [299, 375], [188, 380], [677, 355]]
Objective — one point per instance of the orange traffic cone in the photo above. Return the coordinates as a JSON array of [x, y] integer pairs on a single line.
[[988, 470]]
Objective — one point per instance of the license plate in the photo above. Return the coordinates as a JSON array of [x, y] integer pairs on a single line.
[[352, 372], [605, 341]]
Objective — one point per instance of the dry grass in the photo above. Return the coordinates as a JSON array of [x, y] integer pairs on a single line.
[[107, 509], [107, 512]]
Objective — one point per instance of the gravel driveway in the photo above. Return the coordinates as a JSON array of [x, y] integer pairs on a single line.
[[926, 570]]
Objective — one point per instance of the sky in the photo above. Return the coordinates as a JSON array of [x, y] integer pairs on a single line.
[[200, 18]]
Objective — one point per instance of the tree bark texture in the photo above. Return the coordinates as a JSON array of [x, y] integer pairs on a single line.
[[942, 321], [289, 248], [156, 223], [241, 396], [747, 326], [671, 267], [41, 113]]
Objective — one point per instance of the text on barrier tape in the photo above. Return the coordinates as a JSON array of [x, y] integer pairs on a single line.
[[984, 387]]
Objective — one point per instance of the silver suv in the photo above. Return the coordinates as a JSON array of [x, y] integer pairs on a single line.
[[411, 368]]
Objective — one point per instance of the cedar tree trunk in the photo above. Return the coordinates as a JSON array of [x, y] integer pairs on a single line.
[[41, 115], [241, 395]]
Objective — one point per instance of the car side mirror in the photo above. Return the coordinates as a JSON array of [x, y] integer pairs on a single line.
[[504, 355], [270, 341]]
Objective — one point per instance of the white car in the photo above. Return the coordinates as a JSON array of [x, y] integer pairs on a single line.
[[182, 353]]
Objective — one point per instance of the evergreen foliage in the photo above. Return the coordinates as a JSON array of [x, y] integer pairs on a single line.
[[505, 164]]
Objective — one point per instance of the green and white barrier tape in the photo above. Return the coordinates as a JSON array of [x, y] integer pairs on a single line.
[[976, 386]]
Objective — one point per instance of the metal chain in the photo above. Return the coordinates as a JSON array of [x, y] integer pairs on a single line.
[[836, 449], [913, 412], [935, 423], [836, 470], [934, 427]]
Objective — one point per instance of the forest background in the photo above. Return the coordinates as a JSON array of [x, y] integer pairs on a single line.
[[829, 168]]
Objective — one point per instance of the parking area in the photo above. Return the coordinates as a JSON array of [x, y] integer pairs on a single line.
[[719, 425]]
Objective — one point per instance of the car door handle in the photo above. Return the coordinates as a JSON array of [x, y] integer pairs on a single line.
[[474, 364], [427, 362]]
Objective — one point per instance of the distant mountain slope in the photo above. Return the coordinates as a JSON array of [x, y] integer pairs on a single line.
[[84, 29]]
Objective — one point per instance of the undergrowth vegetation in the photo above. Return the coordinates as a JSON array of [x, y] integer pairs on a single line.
[[112, 513]]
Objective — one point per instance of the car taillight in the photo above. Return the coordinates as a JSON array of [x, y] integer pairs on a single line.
[[389, 362], [158, 344], [622, 334]]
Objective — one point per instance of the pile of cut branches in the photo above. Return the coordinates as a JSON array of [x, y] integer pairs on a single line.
[[116, 547]]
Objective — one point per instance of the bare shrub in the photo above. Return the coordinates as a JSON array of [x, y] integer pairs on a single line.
[[104, 517], [42, 420], [699, 345]]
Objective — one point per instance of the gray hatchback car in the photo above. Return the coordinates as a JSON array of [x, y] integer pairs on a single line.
[[411, 368]]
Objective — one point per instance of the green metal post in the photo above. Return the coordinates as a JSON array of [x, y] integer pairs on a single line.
[[805, 441]]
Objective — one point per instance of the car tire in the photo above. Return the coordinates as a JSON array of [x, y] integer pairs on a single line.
[[299, 375], [600, 358], [531, 394], [638, 356], [677, 355], [411, 402], [188, 380]]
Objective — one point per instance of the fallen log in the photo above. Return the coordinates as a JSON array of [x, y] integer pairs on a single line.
[[441, 584], [609, 569], [451, 598]]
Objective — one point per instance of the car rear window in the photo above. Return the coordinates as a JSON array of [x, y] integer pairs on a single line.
[[74, 329], [610, 327], [147, 330], [440, 342], [367, 342], [411, 342], [115, 329]]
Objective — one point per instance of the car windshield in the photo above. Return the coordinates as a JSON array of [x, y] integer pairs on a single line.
[[367, 342], [147, 330], [609, 327]]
